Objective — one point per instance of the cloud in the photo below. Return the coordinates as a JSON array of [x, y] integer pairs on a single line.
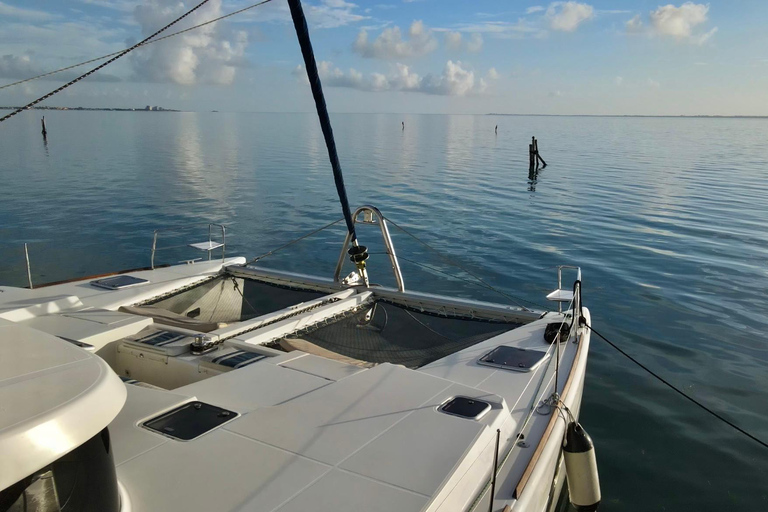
[[19, 67], [653, 84], [455, 80], [533, 9], [332, 14], [454, 41], [618, 80], [679, 23], [115, 5], [492, 74], [324, 14], [390, 44], [475, 43], [209, 54], [24, 14], [635, 24], [520, 29], [567, 16]]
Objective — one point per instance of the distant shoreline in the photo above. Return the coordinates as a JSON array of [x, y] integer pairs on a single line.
[[161, 109], [631, 115], [109, 109]]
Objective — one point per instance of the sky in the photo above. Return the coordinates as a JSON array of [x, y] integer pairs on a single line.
[[632, 57]]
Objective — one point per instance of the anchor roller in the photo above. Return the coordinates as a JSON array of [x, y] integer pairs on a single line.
[[581, 469]]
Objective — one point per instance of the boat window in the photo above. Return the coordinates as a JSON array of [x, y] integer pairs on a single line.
[[81, 480]]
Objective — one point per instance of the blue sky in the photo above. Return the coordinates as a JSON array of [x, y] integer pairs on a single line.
[[430, 56]]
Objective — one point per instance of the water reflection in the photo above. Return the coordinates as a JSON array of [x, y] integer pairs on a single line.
[[208, 173]]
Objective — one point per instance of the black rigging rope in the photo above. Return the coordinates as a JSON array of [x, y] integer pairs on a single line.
[[302, 32], [110, 61], [678, 391], [141, 44]]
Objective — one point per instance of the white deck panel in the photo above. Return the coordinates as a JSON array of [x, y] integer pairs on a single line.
[[433, 444], [321, 367], [94, 326], [129, 439], [260, 384], [333, 422], [219, 471], [339, 491]]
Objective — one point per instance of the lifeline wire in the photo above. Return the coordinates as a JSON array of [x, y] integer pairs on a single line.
[[257, 258], [517, 300], [141, 44], [71, 82], [681, 393]]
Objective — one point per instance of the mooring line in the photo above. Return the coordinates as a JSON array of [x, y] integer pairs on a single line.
[[679, 391]]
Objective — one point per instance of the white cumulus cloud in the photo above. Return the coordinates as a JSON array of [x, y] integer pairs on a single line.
[[455, 80], [567, 16], [680, 23], [454, 41], [635, 24], [209, 54], [390, 44]]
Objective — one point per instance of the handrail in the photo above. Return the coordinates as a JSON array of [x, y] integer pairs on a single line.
[[372, 215], [155, 233]]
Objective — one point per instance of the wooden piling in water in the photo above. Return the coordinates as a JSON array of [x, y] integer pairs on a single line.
[[45, 132], [536, 155], [531, 157]]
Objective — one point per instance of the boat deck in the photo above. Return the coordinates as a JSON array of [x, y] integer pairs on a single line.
[[308, 432]]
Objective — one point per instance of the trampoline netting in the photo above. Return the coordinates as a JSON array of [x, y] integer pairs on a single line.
[[384, 331], [219, 300]]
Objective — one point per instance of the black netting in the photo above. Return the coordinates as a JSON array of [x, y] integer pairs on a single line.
[[392, 333], [219, 300]]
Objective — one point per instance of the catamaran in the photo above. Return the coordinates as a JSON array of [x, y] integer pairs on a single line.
[[221, 385]]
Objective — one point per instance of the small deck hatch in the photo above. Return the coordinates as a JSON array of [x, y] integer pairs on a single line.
[[190, 421], [466, 407], [118, 282], [513, 358]]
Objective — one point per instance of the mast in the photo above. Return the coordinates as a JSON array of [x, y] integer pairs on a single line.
[[300, 23]]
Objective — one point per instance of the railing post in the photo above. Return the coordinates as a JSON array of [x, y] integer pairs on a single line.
[[29, 271], [209, 242], [223, 242], [154, 248]]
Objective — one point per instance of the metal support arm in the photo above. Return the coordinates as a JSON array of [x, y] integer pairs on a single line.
[[372, 215]]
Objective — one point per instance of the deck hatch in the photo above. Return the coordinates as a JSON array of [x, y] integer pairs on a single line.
[[190, 420], [118, 282], [513, 358], [466, 407]]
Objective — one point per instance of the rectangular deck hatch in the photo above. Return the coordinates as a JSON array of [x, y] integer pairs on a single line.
[[190, 420], [118, 282], [513, 358], [466, 407]]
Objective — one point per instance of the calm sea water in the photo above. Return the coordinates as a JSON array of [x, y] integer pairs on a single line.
[[667, 218]]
